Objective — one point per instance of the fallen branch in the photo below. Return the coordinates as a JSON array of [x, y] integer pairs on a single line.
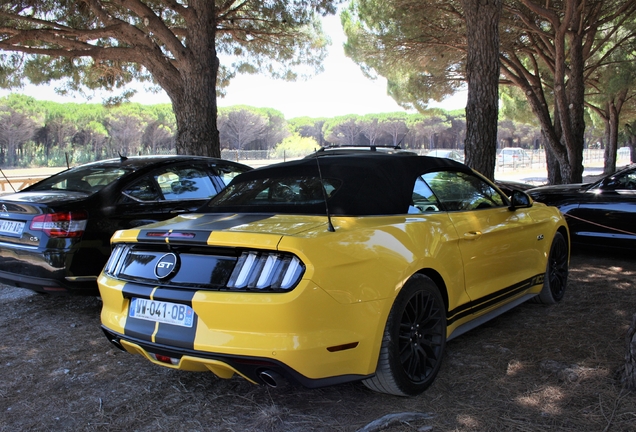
[[391, 419]]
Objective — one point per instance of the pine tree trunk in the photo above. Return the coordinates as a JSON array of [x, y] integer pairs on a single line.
[[629, 373], [611, 134], [190, 82], [482, 76]]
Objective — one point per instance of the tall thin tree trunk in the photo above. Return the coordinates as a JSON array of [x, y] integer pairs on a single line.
[[482, 75], [628, 377], [611, 138]]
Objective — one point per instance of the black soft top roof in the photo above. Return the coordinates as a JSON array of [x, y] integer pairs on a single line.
[[371, 184]]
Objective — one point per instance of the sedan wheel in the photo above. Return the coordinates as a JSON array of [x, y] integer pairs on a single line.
[[414, 340]]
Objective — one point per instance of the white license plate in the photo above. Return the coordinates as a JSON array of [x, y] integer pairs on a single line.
[[11, 227], [163, 312]]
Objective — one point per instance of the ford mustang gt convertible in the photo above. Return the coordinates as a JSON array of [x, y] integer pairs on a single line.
[[332, 269]]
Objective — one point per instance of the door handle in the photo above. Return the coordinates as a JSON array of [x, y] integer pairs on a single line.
[[178, 210], [472, 235]]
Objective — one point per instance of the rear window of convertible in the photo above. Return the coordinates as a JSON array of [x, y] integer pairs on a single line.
[[294, 190]]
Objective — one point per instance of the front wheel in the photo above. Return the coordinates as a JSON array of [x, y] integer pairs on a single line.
[[556, 273], [414, 340]]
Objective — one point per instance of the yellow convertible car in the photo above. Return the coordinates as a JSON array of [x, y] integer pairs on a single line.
[[332, 269]]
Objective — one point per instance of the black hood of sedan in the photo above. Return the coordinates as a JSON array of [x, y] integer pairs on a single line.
[[559, 195], [559, 189]]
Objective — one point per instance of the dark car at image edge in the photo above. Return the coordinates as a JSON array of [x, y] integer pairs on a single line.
[[55, 235], [599, 214]]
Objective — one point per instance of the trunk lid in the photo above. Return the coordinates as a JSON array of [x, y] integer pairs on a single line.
[[17, 212]]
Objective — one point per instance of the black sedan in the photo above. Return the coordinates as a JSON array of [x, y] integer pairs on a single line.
[[599, 214], [55, 234]]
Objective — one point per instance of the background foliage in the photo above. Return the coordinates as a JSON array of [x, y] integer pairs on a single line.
[[44, 133]]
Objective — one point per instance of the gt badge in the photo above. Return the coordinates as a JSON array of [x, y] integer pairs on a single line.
[[540, 237], [167, 266]]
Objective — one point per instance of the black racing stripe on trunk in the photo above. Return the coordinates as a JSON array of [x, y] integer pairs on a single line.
[[490, 300], [174, 335], [200, 227], [169, 334], [138, 328], [135, 290], [183, 296]]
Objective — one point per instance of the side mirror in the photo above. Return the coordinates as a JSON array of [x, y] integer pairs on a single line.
[[519, 199]]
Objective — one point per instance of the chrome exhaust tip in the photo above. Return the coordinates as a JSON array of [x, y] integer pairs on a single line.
[[272, 379], [117, 343]]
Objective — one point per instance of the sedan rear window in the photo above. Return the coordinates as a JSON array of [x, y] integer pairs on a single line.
[[82, 179]]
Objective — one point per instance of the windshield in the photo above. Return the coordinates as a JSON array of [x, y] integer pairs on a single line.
[[82, 179]]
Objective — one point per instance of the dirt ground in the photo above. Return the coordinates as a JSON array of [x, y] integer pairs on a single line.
[[535, 368]]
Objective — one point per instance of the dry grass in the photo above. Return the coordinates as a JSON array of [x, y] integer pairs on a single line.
[[535, 368]]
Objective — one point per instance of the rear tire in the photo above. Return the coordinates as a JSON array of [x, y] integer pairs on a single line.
[[414, 340], [556, 273]]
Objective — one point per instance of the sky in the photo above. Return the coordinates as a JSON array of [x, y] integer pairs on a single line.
[[341, 89]]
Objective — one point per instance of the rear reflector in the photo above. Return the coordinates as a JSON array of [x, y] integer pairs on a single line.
[[342, 347], [166, 359], [61, 224]]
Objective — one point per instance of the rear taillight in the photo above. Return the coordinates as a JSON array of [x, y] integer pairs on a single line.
[[266, 271], [61, 224]]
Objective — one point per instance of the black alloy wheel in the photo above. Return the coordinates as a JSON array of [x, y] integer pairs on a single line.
[[414, 340]]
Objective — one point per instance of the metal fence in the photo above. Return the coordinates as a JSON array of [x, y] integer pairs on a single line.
[[537, 159]]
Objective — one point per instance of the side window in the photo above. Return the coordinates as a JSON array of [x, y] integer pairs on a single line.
[[460, 191], [423, 198], [181, 183], [174, 183], [142, 190], [228, 172], [626, 181]]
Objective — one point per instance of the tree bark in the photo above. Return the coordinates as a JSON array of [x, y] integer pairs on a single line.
[[611, 138], [193, 97], [482, 76], [575, 99], [628, 378]]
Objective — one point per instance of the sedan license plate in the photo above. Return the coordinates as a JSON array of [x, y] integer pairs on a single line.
[[163, 312], [11, 227]]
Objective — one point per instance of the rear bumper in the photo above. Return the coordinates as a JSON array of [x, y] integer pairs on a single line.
[[255, 369], [304, 335], [47, 271], [83, 286]]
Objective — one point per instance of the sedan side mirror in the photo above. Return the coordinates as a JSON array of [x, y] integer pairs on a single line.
[[519, 199]]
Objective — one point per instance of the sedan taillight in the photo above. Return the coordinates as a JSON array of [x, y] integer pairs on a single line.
[[61, 224]]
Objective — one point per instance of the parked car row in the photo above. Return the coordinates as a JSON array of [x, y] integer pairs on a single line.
[[347, 265]]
